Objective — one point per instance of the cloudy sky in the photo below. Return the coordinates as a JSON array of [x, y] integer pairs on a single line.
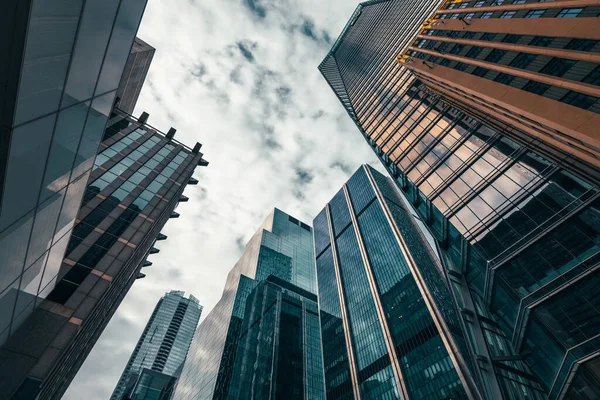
[[240, 77]]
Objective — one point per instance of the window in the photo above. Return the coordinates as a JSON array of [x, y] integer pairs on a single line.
[[495, 55], [503, 78], [569, 12], [518, 2], [456, 49], [488, 36], [454, 16], [579, 100], [536, 87], [474, 52], [511, 38], [593, 77], [461, 66], [479, 4], [480, 71], [522, 60], [535, 13], [469, 15], [557, 66], [581, 44], [541, 41], [468, 35], [445, 62], [486, 15], [508, 14]]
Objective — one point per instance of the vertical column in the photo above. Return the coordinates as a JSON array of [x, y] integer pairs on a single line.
[[338, 279]]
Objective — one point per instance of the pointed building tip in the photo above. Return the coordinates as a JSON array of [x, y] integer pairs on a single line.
[[154, 250], [147, 263], [174, 215], [202, 162], [183, 199], [171, 133], [140, 276], [193, 181], [197, 147]]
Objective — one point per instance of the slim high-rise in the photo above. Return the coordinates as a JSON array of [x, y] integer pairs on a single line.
[[390, 329], [134, 75], [162, 348], [262, 338], [136, 183], [514, 212], [60, 66]]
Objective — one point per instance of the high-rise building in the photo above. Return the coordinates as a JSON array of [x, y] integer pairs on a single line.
[[390, 329], [134, 75], [514, 215], [60, 66], [152, 385], [162, 348], [277, 269], [136, 183]]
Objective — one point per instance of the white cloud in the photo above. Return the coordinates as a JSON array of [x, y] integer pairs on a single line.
[[272, 129]]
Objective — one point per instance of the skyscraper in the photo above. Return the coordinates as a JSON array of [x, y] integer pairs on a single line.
[[134, 75], [163, 346], [390, 329], [137, 181], [276, 269], [60, 65], [514, 215]]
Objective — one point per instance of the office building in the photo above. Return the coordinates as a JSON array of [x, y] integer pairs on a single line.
[[134, 75], [136, 182], [161, 350], [390, 329], [152, 385], [277, 265], [60, 66], [514, 214]]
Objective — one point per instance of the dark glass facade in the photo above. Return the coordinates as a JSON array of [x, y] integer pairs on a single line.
[[136, 182], [277, 265], [386, 344], [162, 348], [152, 385], [512, 213], [60, 65], [134, 75]]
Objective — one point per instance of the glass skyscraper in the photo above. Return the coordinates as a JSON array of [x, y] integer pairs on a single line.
[[134, 75], [513, 215], [163, 346], [268, 303], [390, 329], [137, 181]]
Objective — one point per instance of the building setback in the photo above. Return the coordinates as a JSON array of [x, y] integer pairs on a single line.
[[137, 181], [162, 347], [60, 66], [134, 75], [276, 270], [515, 216]]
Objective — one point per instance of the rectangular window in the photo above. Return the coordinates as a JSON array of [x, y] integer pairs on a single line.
[[536, 87], [488, 36], [593, 77], [518, 2], [480, 71], [569, 12], [522, 60], [486, 15], [468, 35], [541, 41], [535, 13], [579, 100], [456, 49], [557, 66], [508, 14], [474, 52], [495, 55], [461, 66], [511, 38], [505, 79], [481, 3], [469, 15], [581, 44]]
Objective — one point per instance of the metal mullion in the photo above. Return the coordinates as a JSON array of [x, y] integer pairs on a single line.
[[372, 115], [466, 165], [401, 124], [424, 133], [344, 312], [411, 129], [409, 113], [391, 350], [485, 182], [512, 202]]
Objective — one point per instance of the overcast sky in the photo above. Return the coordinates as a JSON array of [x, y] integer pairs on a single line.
[[240, 77]]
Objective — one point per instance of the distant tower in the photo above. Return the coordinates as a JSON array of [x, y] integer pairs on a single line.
[[164, 343]]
